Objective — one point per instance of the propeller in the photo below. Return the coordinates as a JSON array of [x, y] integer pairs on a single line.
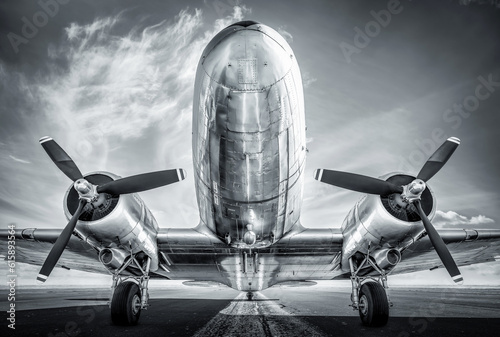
[[61, 158], [59, 245], [410, 194], [357, 182], [142, 182], [438, 159], [89, 193], [439, 246]]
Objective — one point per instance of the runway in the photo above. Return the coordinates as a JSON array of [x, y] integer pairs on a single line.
[[292, 311]]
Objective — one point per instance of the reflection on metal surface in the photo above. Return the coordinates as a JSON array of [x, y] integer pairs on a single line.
[[374, 223], [112, 258], [199, 254], [249, 136], [126, 223], [387, 258], [250, 237]]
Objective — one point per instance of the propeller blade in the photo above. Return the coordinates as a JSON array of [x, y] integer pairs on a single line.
[[59, 245], [142, 182], [357, 182], [61, 158], [438, 159], [440, 246]]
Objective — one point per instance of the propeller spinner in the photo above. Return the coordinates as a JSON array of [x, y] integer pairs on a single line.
[[410, 195], [89, 193]]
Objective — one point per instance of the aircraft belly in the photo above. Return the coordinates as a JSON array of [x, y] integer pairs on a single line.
[[197, 254], [246, 271]]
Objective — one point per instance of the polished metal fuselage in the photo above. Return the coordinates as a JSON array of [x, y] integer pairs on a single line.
[[249, 145]]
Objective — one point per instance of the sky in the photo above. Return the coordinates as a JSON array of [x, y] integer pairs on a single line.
[[112, 82]]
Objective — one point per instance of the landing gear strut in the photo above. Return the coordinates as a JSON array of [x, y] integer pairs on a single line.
[[369, 295], [129, 295]]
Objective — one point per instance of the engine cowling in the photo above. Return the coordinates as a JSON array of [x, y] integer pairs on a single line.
[[119, 225], [381, 225]]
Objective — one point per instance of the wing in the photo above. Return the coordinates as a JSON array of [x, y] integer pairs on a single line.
[[33, 245], [304, 254], [466, 246], [197, 254]]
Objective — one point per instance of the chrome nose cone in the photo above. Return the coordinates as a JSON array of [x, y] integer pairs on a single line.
[[82, 186], [417, 186]]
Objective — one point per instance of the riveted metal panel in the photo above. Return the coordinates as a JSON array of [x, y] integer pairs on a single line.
[[247, 71]]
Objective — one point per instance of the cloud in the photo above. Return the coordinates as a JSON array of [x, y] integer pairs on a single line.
[[19, 160], [109, 89], [453, 219], [102, 82], [307, 79], [288, 37]]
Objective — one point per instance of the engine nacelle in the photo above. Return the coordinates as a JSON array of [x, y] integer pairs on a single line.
[[120, 224], [380, 224]]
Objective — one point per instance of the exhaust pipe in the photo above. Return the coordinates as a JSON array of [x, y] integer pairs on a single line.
[[387, 258], [112, 257]]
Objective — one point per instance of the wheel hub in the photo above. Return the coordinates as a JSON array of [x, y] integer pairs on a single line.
[[136, 304], [363, 305]]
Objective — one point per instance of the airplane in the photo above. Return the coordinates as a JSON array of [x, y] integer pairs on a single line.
[[249, 153]]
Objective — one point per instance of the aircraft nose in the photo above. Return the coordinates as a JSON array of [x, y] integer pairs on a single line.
[[245, 24], [247, 56]]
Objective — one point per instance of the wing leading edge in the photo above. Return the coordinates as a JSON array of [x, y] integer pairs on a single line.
[[468, 246]]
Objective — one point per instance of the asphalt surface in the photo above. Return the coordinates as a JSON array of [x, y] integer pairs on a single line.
[[218, 311]]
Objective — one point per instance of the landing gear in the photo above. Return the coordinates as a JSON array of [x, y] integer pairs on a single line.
[[126, 304], [249, 295], [129, 297], [373, 304], [369, 295]]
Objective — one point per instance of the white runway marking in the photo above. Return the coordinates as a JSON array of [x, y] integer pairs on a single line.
[[260, 317]]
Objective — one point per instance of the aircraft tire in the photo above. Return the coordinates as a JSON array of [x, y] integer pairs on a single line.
[[249, 295], [126, 304], [373, 305]]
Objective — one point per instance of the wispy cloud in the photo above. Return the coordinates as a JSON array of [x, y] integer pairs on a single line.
[[453, 219], [19, 160], [287, 35], [307, 79], [109, 89]]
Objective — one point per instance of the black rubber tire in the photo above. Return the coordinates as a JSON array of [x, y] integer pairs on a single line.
[[249, 296], [124, 299], [373, 304]]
